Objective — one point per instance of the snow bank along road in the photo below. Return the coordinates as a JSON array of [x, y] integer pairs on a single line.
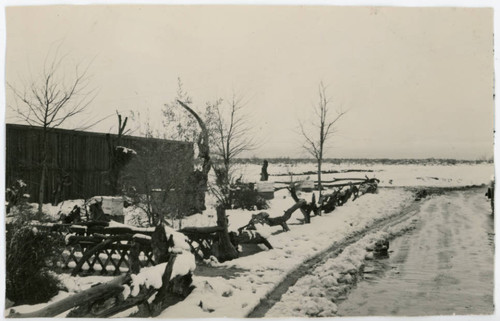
[[241, 284], [443, 266]]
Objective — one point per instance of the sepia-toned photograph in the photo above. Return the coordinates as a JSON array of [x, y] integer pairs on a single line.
[[248, 161]]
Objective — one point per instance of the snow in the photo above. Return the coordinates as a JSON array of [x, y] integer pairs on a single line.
[[433, 174], [184, 263], [331, 279], [21, 183], [71, 284], [133, 228], [248, 279], [55, 211], [127, 150], [260, 273], [150, 276], [180, 240], [141, 236], [75, 284]]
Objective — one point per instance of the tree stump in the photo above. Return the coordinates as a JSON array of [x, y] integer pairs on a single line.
[[225, 248], [161, 243]]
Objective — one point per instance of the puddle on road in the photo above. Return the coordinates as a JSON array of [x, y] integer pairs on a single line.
[[443, 267]]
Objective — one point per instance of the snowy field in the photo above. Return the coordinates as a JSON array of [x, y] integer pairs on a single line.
[[235, 288], [389, 175]]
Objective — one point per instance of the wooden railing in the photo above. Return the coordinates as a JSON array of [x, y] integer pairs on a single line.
[[95, 247]]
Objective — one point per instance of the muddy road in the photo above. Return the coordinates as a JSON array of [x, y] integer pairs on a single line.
[[443, 266]]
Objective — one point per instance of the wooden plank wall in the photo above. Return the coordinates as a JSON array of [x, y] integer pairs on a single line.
[[83, 156]]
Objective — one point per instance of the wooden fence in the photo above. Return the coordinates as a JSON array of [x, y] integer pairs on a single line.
[[80, 161]]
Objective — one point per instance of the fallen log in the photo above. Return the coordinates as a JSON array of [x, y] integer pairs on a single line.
[[111, 305], [265, 218], [173, 290], [97, 292], [252, 237], [305, 208], [201, 230], [117, 295], [328, 202], [345, 195]]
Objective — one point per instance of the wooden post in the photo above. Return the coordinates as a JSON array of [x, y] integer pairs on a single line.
[[135, 250]]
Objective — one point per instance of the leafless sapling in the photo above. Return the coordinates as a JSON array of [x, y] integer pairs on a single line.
[[323, 127], [50, 99]]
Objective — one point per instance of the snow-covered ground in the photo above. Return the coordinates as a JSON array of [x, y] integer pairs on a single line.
[[316, 294], [444, 266], [256, 275], [235, 287], [389, 175], [433, 175]]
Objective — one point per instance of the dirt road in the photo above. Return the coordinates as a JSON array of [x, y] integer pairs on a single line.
[[443, 267]]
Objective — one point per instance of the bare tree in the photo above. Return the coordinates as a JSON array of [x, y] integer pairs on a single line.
[[324, 129], [49, 100], [178, 125], [230, 133], [154, 184], [221, 132]]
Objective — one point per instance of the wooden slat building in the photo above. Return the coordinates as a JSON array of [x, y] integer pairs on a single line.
[[83, 158]]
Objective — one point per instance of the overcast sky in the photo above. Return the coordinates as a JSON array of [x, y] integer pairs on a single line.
[[416, 82]]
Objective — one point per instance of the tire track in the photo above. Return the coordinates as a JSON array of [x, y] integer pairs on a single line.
[[333, 251]]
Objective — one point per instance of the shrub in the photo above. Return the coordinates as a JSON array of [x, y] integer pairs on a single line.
[[29, 255], [16, 195], [246, 196]]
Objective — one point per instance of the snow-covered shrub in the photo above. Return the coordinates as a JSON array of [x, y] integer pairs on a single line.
[[17, 206], [29, 255], [242, 195], [16, 196], [247, 197]]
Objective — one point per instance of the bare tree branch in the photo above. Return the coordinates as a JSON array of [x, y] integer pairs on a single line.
[[324, 129], [49, 101]]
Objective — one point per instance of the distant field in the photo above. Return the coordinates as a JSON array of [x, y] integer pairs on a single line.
[[429, 172], [365, 161]]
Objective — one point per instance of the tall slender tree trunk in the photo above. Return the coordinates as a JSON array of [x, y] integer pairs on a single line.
[[319, 176], [226, 169], [41, 190]]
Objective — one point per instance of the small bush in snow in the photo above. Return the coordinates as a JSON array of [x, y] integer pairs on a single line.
[[16, 196], [29, 254], [245, 196]]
